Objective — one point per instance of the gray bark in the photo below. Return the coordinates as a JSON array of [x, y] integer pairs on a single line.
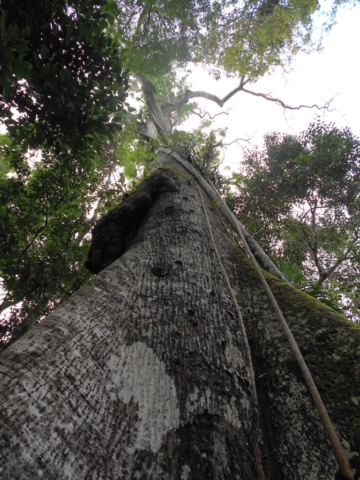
[[214, 196], [142, 373]]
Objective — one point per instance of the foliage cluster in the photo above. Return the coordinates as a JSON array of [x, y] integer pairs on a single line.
[[61, 77], [247, 38], [155, 34], [62, 92], [300, 198], [243, 39]]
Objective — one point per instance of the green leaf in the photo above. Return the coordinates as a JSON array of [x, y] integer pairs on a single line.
[[18, 61], [54, 70], [25, 32], [68, 36], [26, 67], [45, 70], [44, 51], [55, 29], [37, 60], [21, 48], [7, 53], [15, 33]]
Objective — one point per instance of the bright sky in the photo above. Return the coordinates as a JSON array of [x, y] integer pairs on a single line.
[[315, 78]]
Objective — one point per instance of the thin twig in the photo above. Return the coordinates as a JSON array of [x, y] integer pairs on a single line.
[[211, 117], [268, 97], [236, 141]]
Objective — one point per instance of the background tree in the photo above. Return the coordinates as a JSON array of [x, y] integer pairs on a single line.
[[299, 197]]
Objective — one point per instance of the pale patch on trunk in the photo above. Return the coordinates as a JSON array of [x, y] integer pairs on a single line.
[[140, 376]]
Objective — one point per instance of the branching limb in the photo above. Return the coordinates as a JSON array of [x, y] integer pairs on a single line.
[[221, 101], [313, 253], [160, 118], [268, 97], [247, 140], [237, 141], [202, 115], [144, 129], [304, 215], [331, 270], [341, 260], [209, 96], [37, 233]]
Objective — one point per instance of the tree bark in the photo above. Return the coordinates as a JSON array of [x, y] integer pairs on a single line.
[[142, 373]]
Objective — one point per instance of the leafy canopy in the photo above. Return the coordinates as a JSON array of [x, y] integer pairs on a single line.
[[61, 78], [300, 198], [62, 92], [241, 38], [46, 215]]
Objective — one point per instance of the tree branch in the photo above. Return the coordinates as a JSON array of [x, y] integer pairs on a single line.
[[339, 261], [221, 101], [209, 96], [32, 241], [221, 144], [268, 97], [313, 253], [211, 117]]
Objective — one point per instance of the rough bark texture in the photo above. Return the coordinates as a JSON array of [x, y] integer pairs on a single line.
[[142, 375]]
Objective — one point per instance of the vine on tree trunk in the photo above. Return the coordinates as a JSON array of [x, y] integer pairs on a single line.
[[255, 412]]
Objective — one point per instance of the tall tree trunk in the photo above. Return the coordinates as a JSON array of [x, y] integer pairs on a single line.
[[142, 374]]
